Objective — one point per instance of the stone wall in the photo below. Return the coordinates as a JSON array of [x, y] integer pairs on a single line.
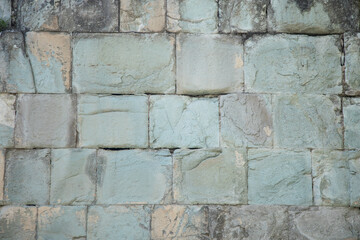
[[180, 119]]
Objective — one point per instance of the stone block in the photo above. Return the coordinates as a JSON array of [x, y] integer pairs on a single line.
[[352, 63], [351, 109], [5, 11], [2, 174], [7, 120], [354, 167]]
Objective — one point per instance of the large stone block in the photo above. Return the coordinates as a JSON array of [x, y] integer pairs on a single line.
[[27, 176], [210, 176], [293, 63], [5, 11], [209, 64], [2, 174], [73, 176], [134, 176], [307, 121], [7, 120], [354, 167], [122, 121], [351, 109], [352, 63], [46, 120], [279, 177], [184, 122], [64, 222], [118, 222], [125, 63]]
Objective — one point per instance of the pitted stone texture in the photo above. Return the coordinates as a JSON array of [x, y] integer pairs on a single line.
[[293, 63], [210, 176], [279, 177], [2, 174], [15, 70], [125, 63], [180, 222], [142, 16], [192, 16], [144, 176], [5, 10], [351, 108], [248, 222], [73, 176], [240, 16], [7, 120], [121, 121], [184, 122], [17, 223], [313, 16], [307, 121], [46, 120], [59, 223], [118, 222], [209, 64], [50, 56], [324, 223], [246, 120], [352, 63], [27, 176], [354, 166]]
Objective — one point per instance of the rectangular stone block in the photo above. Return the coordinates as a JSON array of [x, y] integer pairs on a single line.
[[216, 176], [352, 63], [2, 174], [27, 176], [125, 63], [73, 176], [307, 121], [209, 64], [134, 176], [354, 167], [5, 11], [7, 120], [293, 63], [61, 223], [46, 120], [351, 110], [279, 177], [118, 222], [122, 121], [184, 122]]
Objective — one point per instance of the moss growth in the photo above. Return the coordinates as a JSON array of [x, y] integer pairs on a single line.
[[3, 25]]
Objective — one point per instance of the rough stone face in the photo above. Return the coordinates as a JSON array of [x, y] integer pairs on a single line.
[[144, 177], [293, 63], [17, 223], [279, 177], [209, 64], [192, 16], [46, 120], [122, 121], [352, 122], [307, 121], [313, 16], [73, 176], [118, 222], [27, 176], [5, 10], [50, 56], [7, 120], [248, 222], [180, 222], [125, 63], [210, 176], [354, 166], [352, 63], [184, 122], [61, 223], [239, 16], [142, 16], [2, 174], [246, 120]]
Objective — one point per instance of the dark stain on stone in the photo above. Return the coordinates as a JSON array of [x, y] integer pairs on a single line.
[[304, 5], [101, 166], [91, 167]]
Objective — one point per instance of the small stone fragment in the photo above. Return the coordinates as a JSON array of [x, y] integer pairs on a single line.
[[351, 109], [7, 120], [352, 63]]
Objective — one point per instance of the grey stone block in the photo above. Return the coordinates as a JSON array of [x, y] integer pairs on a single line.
[[7, 120], [352, 63], [351, 109]]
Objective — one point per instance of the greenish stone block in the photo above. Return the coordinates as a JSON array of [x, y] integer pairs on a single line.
[[5, 10], [351, 109], [354, 165], [7, 120], [352, 63]]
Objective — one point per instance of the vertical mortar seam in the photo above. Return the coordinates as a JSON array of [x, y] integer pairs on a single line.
[[50, 172]]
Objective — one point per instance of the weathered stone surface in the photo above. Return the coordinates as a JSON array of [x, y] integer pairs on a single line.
[[354, 166], [246, 120], [293, 63], [192, 16], [118, 222], [134, 176], [2, 174], [7, 120], [240, 16], [122, 121], [279, 177], [351, 111], [61, 223], [313, 16], [125, 63], [50, 56], [179, 121], [27, 176], [248, 222], [307, 121], [210, 176], [142, 16], [73, 176], [17, 223], [180, 222], [46, 120], [209, 64], [5, 10], [352, 63]]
